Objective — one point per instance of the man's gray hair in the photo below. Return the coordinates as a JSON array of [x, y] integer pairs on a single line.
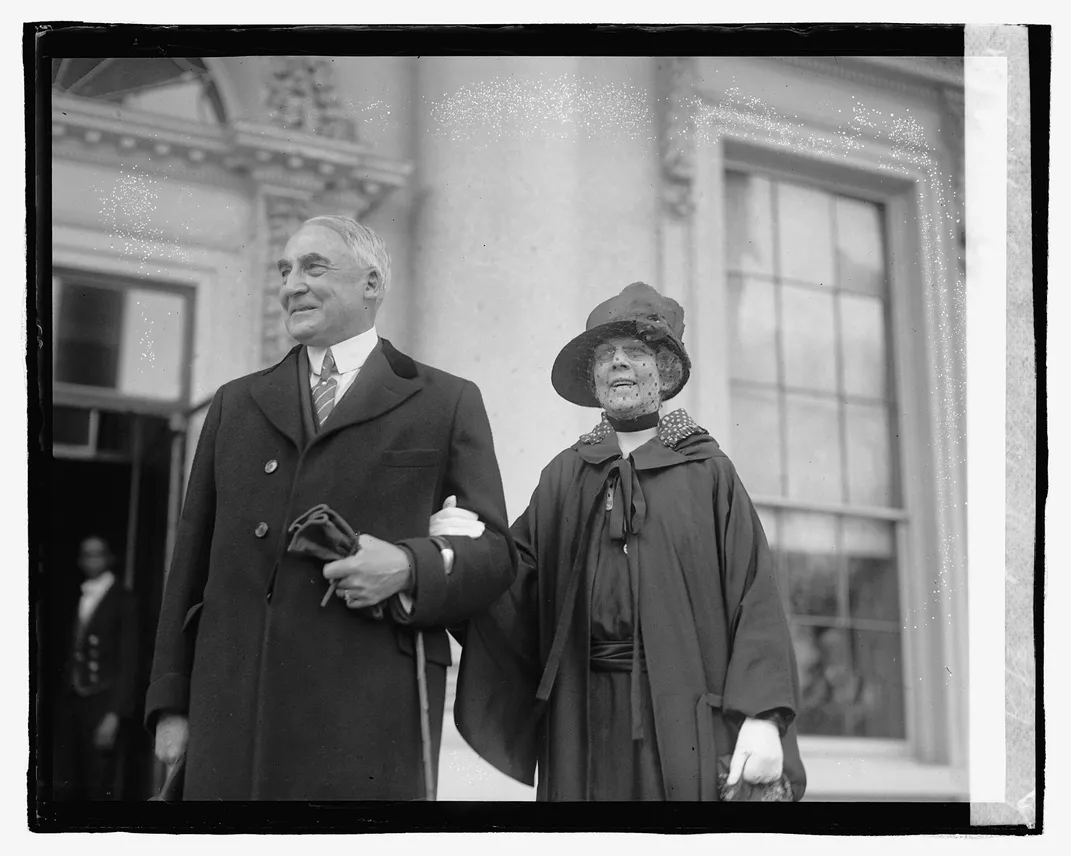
[[367, 247]]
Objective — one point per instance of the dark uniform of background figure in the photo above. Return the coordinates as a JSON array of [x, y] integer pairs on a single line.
[[97, 697]]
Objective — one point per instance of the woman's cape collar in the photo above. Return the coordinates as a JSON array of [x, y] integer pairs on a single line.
[[680, 438]]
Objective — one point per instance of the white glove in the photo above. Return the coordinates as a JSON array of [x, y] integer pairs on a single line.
[[758, 753], [452, 520], [172, 735]]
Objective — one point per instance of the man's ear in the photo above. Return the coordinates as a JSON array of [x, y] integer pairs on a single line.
[[373, 286]]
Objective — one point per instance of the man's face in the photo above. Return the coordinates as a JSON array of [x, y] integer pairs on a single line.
[[327, 296], [94, 557], [627, 384]]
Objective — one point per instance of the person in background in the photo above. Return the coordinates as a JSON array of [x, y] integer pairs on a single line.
[[643, 652], [98, 693]]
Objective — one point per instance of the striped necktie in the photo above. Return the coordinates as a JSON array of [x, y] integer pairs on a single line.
[[323, 394]]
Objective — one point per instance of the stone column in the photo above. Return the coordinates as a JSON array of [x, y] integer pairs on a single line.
[[676, 78], [537, 199]]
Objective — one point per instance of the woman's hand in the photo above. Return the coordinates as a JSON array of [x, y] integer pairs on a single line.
[[452, 520], [758, 755]]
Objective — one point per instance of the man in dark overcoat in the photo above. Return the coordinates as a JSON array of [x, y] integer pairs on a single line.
[[270, 695]]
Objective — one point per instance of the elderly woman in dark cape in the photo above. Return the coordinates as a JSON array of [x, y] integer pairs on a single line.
[[643, 651]]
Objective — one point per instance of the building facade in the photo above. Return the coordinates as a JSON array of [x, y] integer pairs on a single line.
[[807, 212]]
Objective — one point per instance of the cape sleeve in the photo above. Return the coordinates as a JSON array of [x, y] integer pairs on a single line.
[[762, 675], [495, 708]]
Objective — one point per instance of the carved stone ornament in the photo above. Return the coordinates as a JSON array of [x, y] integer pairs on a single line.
[[301, 97], [307, 162], [678, 135], [283, 215]]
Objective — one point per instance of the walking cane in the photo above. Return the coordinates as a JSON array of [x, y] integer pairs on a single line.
[[425, 717]]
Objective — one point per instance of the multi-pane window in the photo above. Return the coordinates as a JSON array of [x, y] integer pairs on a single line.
[[119, 336], [87, 432], [814, 437]]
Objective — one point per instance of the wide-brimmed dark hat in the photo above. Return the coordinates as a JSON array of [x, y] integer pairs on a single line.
[[638, 311]]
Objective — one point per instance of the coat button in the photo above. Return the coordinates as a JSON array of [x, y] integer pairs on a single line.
[[271, 466], [261, 530], [94, 666], [93, 639]]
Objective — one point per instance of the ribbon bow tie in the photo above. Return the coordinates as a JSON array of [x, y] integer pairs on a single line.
[[624, 500]]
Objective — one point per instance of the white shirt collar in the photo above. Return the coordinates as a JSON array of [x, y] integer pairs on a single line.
[[349, 354], [93, 592], [98, 585]]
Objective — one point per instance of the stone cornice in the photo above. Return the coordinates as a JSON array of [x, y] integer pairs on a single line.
[[924, 69], [98, 132], [918, 76]]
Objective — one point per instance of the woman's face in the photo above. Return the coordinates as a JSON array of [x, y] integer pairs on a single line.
[[627, 383]]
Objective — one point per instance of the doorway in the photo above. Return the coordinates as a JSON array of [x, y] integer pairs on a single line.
[[128, 498]]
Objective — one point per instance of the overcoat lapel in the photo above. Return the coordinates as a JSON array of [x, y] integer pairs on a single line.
[[375, 391], [277, 393]]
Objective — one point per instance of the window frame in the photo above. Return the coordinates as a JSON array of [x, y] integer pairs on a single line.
[[896, 515], [925, 325], [107, 398], [921, 732]]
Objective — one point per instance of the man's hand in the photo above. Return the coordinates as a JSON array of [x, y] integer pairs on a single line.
[[452, 520], [758, 753], [378, 571], [172, 734], [107, 729]]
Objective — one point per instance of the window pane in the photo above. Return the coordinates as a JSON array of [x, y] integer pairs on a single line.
[[754, 330], [862, 330], [878, 709], [873, 587], [828, 687], [804, 232], [809, 558], [153, 331], [814, 468], [757, 440], [88, 335], [860, 248], [70, 426], [114, 431], [809, 338], [749, 223], [869, 463]]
